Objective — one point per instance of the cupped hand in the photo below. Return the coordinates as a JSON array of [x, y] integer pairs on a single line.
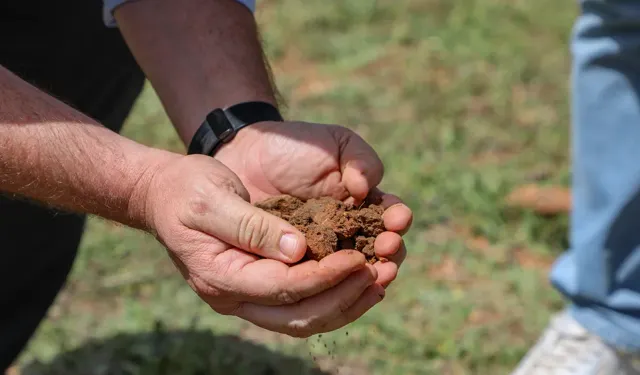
[[235, 256], [310, 160]]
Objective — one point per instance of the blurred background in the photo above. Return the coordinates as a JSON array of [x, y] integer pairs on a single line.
[[467, 104]]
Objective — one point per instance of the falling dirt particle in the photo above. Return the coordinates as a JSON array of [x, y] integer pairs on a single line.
[[544, 200]]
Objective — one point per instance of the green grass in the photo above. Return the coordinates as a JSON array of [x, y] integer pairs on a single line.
[[463, 100]]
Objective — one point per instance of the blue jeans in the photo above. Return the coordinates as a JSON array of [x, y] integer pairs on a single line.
[[600, 273]]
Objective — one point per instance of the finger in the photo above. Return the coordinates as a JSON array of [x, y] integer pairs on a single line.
[[397, 218], [240, 224], [361, 167], [399, 257], [387, 273], [371, 297], [310, 315], [268, 282], [390, 247], [387, 244], [388, 268]]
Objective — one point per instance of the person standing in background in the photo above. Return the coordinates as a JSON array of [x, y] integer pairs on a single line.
[[599, 332]]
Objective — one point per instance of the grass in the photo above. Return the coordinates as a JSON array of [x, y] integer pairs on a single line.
[[463, 100]]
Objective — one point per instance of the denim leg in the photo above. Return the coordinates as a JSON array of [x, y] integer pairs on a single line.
[[600, 273]]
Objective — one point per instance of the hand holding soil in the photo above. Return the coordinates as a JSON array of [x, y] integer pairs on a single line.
[[307, 161], [310, 161]]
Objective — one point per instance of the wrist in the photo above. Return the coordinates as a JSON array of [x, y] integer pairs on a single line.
[[138, 211], [221, 126], [188, 125]]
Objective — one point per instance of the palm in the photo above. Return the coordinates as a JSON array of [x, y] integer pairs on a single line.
[[300, 159]]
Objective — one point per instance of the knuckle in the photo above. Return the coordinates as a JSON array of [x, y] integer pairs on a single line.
[[283, 293], [253, 231], [226, 183], [205, 288], [343, 306], [224, 179], [299, 329], [288, 296], [233, 309], [314, 324], [198, 205]]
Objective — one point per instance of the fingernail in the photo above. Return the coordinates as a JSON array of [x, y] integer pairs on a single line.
[[289, 245]]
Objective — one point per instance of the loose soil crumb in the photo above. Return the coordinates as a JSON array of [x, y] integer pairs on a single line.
[[330, 225]]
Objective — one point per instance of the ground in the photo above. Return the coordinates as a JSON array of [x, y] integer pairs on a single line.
[[466, 102]]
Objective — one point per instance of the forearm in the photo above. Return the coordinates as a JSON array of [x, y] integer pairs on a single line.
[[53, 154], [198, 55]]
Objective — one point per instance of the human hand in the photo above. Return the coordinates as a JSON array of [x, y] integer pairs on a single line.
[[235, 255], [309, 160]]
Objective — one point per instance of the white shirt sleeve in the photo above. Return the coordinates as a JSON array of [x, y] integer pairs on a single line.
[[108, 6]]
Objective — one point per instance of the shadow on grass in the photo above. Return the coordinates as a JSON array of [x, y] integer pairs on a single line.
[[188, 352]]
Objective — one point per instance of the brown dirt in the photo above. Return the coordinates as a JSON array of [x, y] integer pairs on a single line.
[[544, 200], [527, 258], [330, 225]]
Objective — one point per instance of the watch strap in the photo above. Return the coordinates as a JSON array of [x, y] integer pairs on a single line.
[[221, 125]]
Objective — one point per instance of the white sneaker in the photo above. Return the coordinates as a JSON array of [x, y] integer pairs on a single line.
[[566, 348]]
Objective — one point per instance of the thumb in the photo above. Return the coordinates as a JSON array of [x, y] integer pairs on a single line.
[[361, 168], [235, 221]]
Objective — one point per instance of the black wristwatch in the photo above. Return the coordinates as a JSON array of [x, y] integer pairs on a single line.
[[221, 125]]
